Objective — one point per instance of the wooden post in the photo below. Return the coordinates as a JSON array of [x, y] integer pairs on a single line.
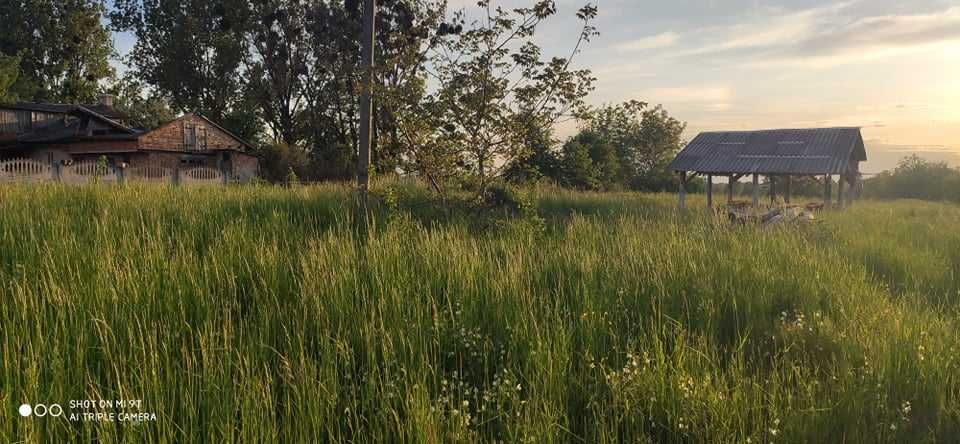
[[840, 193], [827, 198], [683, 190], [55, 170], [788, 190], [773, 189], [709, 190], [756, 190], [366, 107], [852, 190], [730, 183]]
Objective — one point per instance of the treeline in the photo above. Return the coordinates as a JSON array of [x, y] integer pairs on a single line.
[[463, 94], [916, 178]]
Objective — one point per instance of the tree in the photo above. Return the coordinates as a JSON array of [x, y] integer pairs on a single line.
[[491, 81], [143, 110], [9, 71], [577, 168], [630, 145], [277, 71], [916, 178], [538, 160], [190, 51], [62, 47]]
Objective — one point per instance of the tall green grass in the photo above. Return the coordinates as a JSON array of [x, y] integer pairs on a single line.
[[259, 314]]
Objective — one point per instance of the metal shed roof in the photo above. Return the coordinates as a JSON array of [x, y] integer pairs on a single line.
[[782, 151]]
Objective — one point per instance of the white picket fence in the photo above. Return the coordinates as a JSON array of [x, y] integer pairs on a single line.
[[88, 171], [201, 176], [27, 170]]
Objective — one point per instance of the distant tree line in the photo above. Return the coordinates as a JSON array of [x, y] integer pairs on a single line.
[[916, 178], [619, 147], [459, 94]]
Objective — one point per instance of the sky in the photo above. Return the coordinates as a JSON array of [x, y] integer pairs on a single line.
[[891, 67]]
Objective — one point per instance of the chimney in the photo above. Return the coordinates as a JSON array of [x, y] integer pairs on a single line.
[[106, 100]]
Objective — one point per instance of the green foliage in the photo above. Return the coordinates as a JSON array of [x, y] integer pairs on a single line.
[[538, 160], [492, 84], [279, 161], [253, 314], [9, 72], [190, 51], [143, 110], [628, 146], [916, 178], [62, 46], [578, 168]]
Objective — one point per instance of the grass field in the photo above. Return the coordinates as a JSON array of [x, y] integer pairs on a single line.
[[259, 315]]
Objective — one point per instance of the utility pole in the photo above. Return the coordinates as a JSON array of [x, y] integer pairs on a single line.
[[366, 105]]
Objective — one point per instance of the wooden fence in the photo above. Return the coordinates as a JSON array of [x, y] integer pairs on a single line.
[[90, 171]]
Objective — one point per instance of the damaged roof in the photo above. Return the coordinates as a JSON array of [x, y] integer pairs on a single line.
[[781, 151]]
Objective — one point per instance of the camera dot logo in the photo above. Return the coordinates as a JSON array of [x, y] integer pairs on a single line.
[[25, 410]]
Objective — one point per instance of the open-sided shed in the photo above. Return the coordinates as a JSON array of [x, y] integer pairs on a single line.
[[779, 155]]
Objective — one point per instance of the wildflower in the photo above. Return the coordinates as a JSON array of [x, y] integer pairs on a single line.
[[893, 427], [518, 387]]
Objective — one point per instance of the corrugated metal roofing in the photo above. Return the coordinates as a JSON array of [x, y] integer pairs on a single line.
[[782, 151]]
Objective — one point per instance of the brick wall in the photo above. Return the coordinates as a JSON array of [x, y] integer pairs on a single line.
[[171, 136], [245, 167]]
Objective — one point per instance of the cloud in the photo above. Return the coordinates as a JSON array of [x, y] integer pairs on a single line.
[[708, 98], [661, 40], [883, 155], [825, 36], [884, 32], [771, 29]]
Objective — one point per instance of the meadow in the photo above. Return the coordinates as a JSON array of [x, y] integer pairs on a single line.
[[264, 314]]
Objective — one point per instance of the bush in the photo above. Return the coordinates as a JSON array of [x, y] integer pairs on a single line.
[[916, 178], [280, 162]]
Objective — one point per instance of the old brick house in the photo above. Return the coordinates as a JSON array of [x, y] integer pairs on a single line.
[[65, 133]]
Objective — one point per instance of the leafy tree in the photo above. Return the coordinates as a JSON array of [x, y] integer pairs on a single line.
[[62, 46], [577, 168], [590, 162], [190, 51], [916, 178], [142, 109], [406, 30], [539, 160], [277, 71], [9, 71], [631, 144], [492, 79], [279, 162]]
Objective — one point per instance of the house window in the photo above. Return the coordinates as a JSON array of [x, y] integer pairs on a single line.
[[189, 137], [202, 137], [194, 137]]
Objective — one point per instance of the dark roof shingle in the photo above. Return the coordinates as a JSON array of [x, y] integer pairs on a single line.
[[784, 151]]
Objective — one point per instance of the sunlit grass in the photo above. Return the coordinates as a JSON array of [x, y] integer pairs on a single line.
[[257, 314]]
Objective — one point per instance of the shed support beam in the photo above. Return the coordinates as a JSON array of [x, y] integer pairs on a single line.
[[709, 190], [852, 188], [773, 189], [731, 183], [756, 190], [827, 199], [787, 189], [683, 190], [840, 187]]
